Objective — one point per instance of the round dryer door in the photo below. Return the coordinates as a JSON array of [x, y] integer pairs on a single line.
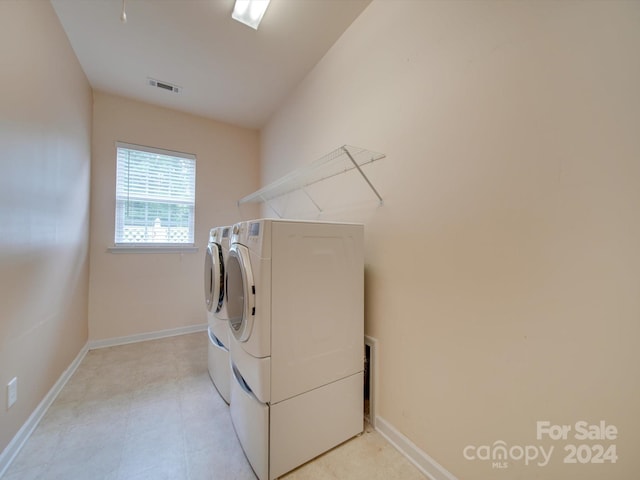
[[213, 278], [240, 292]]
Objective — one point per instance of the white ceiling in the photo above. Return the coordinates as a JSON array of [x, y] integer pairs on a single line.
[[227, 70]]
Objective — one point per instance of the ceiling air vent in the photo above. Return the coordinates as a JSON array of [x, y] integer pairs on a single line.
[[164, 85]]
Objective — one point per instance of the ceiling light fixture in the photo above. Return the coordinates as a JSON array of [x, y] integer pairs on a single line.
[[123, 15], [250, 12]]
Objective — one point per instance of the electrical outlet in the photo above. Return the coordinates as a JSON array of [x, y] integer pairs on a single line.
[[12, 392]]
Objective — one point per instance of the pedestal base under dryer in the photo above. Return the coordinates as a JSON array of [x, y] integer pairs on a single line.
[[219, 370], [279, 438]]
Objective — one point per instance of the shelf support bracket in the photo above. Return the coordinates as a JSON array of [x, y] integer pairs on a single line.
[[311, 199], [355, 164], [267, 202]]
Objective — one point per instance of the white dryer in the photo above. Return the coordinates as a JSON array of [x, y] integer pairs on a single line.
[[214, 278], [295, 300]]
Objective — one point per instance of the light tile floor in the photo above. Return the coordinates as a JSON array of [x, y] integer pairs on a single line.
[[148, 411]]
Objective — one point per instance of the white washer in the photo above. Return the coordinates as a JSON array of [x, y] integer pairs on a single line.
[[214, 277], [295, 300]]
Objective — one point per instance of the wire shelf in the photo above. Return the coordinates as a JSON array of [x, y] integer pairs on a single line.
[[341, 160]]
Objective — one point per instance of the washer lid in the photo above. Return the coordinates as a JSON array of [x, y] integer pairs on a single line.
[[240, 292], [213, 278]]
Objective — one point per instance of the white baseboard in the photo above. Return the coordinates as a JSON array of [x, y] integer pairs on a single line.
[[420, 459], [11, 451], [142, 337]]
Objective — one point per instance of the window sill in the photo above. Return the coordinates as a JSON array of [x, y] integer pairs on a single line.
[[153, 249]]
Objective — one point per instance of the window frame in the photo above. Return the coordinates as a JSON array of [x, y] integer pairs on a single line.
[[151, 247]]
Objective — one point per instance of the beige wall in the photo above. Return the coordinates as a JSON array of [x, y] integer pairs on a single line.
[[141, 293], [503, 274], [45, 133]]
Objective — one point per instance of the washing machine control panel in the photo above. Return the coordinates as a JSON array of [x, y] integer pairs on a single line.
[[212, 235], [237, 233], [254, 229], [217, 235]]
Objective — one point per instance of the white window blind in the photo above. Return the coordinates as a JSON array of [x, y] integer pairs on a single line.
[[155, 196]]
